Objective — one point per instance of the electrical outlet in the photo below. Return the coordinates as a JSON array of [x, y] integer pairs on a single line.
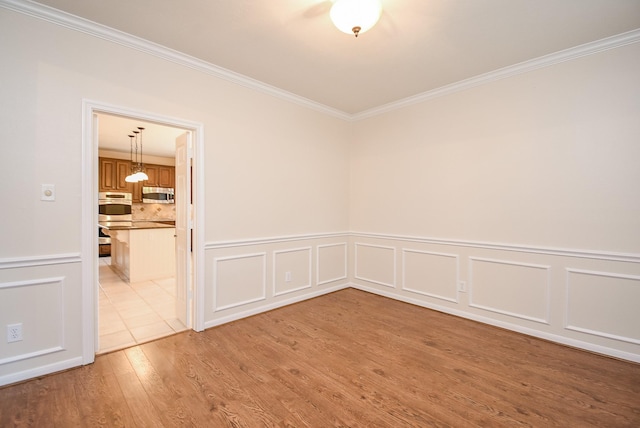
[[462, 286], [14, 332], [287, 277]]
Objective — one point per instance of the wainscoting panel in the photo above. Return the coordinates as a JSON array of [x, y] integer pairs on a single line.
[[291, 270], [247, 277], [515, 289], [603, 304], [239, 280], [430, 274], [581, 298], [575, 297], [44, 294], [332, 263], [375, 263], [43, 325]]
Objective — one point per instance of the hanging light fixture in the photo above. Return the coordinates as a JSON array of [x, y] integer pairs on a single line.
[[131, 178], [355, 16], [140, 174], [137, 168]]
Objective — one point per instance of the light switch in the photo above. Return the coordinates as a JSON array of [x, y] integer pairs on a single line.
[[48, 192]]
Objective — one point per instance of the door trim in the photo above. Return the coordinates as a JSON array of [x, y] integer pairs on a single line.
[[89, 245]]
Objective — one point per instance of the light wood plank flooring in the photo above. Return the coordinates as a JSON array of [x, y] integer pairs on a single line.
[[345, 359]]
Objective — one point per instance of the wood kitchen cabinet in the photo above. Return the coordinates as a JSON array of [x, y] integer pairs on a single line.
[[112, 174], [136, 193], [160, 176], [114, 171]]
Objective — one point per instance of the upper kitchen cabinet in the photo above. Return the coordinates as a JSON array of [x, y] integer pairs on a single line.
[[112, 174], [114, 171], [160, 176]]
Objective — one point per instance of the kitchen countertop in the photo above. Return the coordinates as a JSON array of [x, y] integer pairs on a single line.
[[136, 225]]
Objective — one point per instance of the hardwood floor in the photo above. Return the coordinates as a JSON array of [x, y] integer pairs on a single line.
[[345, 359]]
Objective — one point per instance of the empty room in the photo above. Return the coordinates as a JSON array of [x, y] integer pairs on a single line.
[[320, 213]]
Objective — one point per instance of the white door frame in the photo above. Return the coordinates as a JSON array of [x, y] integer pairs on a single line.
[[90, 214]]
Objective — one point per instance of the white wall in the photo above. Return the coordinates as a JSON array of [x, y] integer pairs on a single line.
[[525, 188], [272, 169]]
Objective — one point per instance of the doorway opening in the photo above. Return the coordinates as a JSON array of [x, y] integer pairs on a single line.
[[126, 305]]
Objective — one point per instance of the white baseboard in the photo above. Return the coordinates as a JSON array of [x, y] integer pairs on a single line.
[[40, 371], [273, 305]]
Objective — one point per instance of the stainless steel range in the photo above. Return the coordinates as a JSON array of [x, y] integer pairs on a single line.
[[114, 208]]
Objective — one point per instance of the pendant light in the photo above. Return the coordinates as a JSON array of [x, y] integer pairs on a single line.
[[131, 178], [140, 174], [355, 16], [137, 168]]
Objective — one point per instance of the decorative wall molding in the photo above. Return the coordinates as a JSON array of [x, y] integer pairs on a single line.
[[425, 293], [373, 280], [539, 321], [263, 296], [275, 270], [547, 289], [26, 356], [521, 248], [106, 33], [569, 325], [319, 249], [60, 346], [34, 261], [509, 71], [271, 240], [29, 282]]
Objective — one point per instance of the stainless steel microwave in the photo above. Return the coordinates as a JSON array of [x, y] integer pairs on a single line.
[[157, 195]]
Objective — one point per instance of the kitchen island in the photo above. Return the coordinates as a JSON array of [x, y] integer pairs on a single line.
[[143, 250]]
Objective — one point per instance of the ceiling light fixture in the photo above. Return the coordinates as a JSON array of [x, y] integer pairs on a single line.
[[355, 16], [137, 168], [131, 178]]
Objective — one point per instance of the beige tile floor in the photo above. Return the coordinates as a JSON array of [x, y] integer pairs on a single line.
[[134, 313]]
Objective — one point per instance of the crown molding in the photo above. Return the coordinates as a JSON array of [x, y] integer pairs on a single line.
[[509, 71], [82, 25], [73, 22]]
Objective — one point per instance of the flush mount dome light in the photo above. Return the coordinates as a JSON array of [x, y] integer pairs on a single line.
[[355, 16]]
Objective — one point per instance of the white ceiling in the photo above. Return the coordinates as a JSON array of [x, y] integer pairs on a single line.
[[418, 45], [157, 140]]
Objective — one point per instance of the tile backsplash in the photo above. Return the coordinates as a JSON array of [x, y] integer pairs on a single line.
[[153, 211]]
